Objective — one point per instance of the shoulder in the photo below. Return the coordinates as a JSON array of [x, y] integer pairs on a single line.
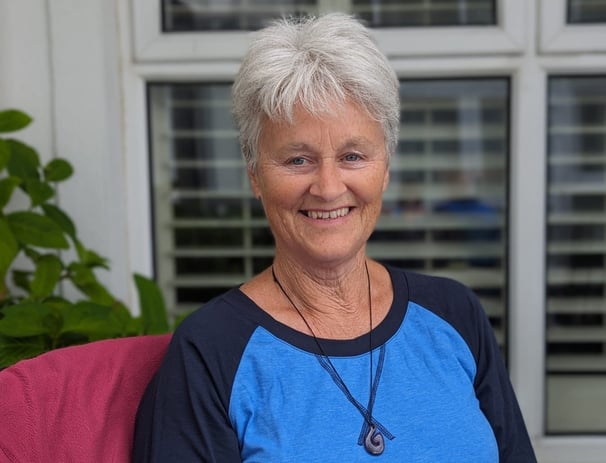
[[438, 294], [222, 325], [452, 301]]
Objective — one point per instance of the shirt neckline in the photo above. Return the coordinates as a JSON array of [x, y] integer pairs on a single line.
[[335, 347]]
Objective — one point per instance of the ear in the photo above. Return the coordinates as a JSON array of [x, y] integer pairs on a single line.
[[254, 182], [386, 179]]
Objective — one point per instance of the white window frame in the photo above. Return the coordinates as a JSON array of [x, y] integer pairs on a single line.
[[549, 448], [556, 36], [508, 37], [508, 50]]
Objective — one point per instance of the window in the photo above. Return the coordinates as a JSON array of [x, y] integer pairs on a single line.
[[210, 233], [207, 15], [446, 206], [586, 11], [162, 31], [576, 255], [567, 26]]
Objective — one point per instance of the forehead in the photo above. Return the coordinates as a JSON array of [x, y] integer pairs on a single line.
[[339, 124]]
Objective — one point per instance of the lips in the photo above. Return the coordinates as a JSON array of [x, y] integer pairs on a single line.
[[326, 215]]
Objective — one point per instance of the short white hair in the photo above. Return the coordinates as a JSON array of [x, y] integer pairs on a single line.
[[315, 62]]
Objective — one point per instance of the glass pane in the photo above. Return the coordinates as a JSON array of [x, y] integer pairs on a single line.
[[444, 211], [221, 15], [410, 13], [576, 256], [225, 15], [205, 219], [586, 11], [446, 206]]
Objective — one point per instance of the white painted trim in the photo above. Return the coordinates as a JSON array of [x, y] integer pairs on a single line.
[[527, 243], [508, 37], [136, 163], [577, 449], [555, 36]]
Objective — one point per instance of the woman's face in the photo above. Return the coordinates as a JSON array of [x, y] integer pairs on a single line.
[[321, 181]]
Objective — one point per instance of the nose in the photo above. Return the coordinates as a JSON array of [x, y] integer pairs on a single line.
[[328, 182]]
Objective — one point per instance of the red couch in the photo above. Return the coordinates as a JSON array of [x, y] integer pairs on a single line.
[[76, 404]]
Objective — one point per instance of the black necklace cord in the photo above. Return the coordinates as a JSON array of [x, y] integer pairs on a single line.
[[371, 434]]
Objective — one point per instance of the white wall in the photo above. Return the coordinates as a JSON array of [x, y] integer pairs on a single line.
[[60, 62]]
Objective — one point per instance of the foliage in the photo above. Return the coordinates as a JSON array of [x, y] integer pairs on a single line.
[[34, 316]]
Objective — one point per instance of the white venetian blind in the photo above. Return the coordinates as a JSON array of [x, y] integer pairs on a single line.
[[576, 255], [446, 207], [221, 15], [444, 211]]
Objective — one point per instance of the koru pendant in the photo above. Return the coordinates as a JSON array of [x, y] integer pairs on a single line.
[[374, 443]]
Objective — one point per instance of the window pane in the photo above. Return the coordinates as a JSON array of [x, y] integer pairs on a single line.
[[586, 11], [409, 13], [576, 255], [206, 222], [446, 206], [221, 15]]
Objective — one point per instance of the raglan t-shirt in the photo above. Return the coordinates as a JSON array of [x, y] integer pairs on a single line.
[[238, 386]]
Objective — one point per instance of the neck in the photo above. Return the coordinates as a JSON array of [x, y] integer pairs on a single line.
[[334, 308]]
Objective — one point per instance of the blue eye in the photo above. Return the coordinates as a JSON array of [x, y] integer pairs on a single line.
[[352, 157], [297, 161]]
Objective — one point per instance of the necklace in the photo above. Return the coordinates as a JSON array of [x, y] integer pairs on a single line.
[[371, 435]]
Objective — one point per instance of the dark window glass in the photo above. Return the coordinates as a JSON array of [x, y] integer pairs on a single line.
[[243, 15], [576, 255], [586, 11]]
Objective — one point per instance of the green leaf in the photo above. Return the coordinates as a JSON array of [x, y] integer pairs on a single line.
[[60, 218], [26, 319], [36, 230], [21, 279], [58, 170], [9, 248], [38, 191], [14, 349], [5, 154], [23, 161], [93, 320], [86, 281], [151, 302], [12, 120], [80, 249], [90, 258], [7, 186], [32, 253], [46, 276]]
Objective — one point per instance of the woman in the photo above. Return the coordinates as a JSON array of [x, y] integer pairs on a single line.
[[328, 355]]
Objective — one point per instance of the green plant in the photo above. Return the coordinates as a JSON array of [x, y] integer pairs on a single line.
[[34, 315]]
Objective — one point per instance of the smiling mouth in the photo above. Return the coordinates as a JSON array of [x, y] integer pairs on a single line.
[[326, 215]]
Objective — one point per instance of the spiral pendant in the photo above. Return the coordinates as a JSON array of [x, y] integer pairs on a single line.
[[374, 443]]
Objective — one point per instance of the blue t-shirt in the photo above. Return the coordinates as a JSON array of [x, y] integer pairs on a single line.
[[238, 386]]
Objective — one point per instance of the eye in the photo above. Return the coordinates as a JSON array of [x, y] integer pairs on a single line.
[[352, 157], [298, 161]]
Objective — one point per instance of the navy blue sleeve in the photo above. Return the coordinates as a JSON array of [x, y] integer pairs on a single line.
[[460, 307], [184, 413]]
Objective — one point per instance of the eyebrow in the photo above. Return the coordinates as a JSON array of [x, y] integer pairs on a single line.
[[355, 142]]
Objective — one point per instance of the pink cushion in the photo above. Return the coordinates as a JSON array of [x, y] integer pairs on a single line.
[[76, 404]]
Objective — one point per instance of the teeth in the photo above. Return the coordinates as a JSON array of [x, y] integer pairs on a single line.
[[328, 214]]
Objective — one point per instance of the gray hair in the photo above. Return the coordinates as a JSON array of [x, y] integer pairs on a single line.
[[314, 62]]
